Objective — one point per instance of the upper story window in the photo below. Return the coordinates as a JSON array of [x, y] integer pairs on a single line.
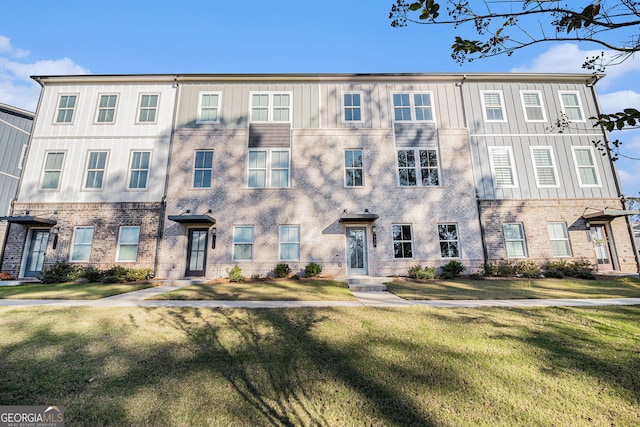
[[502, 167], [268, 168], [107, 108], [139, 170], [493, 106], [402, 240], [532, 106], [202, 169], [544, 167], [412, 107], [571, 106], [148, 110], [52, 170], [81, 245], [352, 106], [66, 107], [353, 168], [418, 168], [209, 107], [96, 165], [270, 107], [584, 161]]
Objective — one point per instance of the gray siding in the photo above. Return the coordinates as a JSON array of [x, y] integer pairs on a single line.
[[265, 135], [15, 127]]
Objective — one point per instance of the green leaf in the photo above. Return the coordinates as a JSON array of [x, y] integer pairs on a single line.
[[415, 6]]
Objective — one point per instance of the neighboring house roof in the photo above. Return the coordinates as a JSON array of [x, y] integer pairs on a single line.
[[17, 111]]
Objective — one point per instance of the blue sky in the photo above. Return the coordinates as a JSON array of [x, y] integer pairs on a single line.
[[276, 36]]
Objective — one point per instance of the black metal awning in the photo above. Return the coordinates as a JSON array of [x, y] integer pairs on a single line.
[[192, 219], [31, 220], [607, 214], [354, 217]]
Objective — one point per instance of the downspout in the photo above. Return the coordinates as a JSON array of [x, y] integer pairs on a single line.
[[163, 201], [616, 178]]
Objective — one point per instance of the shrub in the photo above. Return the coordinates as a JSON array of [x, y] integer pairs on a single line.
[[91, 274], [312, 270], [528, 269], [489, 269], [506, 268], [582, 269], [235, 274], [60, 272], [281, 270], [554, 274], [417, 272], [452, 269], [296, 277], [6, 276]]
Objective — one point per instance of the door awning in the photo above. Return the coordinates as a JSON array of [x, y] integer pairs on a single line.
[[29, 220], [607, 214], [192, 219], [354, 217]]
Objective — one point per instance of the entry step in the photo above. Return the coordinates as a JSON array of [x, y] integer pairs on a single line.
[[367, 284], [367, 288]]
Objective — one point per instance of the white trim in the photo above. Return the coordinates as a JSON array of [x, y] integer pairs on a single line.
[[269, 166], [577, 167], [280, 242], [552, 166], [512, 165], [199, 120], [73, 242], [193, 175], [139, 110], [9, 175], [44, 163], [345, 168], [118, 243], [14, 126], [393, 241], [577, 94], [523, 240], [418, 167], [270, 106], [73, 112], [561, 135], [412, 106], [86, 170], [233, 242], [129, 170], [566, 239], [360, 107], [458, 240], [115, 109], [484, 107], [540, 105]]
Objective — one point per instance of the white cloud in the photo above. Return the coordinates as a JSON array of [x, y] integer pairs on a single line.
[[618, 101], [6, 48]]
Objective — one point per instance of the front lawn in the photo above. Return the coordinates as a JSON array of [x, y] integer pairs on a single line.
[[330, 367], [78, 291], [467, 289]]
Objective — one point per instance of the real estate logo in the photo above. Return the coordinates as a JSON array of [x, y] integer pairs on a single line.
[[31, 416]]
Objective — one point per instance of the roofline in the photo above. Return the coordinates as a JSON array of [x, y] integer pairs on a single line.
[[18, 111]]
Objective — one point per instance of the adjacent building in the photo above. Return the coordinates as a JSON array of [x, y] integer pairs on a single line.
[[364, 174]]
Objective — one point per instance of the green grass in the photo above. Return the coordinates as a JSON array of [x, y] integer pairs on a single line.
[[77, 291], [265, 290], [626, 287], [332, 367]]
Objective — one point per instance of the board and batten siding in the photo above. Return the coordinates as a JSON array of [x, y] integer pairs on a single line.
[[15, 128]]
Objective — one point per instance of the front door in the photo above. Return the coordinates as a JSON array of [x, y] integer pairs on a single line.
[[601, 245], [357, 250], [197, 252], [35, 256]]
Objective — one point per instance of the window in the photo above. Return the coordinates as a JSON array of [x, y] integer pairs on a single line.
[[52, 170], [559, 239], [243, 243], [585, 165], [514, 240], [353, 169], [268, 168], [148, 108], [128, 244], [139, 169], [202, 169], [209, 106], [501, 160], [81, 245], [532, 105], [107, 108], [66, 107], [493, 107], [571, 106], [402, 241], [544, 166], [289, 242], [352, 107], [96, 165], [411, 173], [270, 107], [412, 107], [449, 243]]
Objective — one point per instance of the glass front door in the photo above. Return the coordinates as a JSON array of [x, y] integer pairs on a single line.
[[357, 250], [601, 246], [197, 252], [35, 256]]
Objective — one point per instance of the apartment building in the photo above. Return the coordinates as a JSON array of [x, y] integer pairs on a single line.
[[364, 174]]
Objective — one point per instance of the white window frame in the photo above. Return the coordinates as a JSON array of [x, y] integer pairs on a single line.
[[412, 107], [579, 106], [114, 108], [242, 242], [501, 106], [121, 244], [418, 167], [523, 240], [282, 242], [75, 243], [536, 167], [577, 166], [66, 109], [344, 107], [147, 108], [450, 241], [348, 168], [402, 241], [269, 166], [199, 119], [564, 239], [540, 106], [131, 170], [58, 171], [512, 166], [271, 107], [196, 169], [88, 170]]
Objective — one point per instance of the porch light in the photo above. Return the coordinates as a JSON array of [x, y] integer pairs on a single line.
[[55, 231], [374, 235], [213, 238]]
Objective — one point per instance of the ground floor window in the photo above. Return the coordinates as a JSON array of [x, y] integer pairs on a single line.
[[243, 243], [515, 240], [449, 243], [559, 239], [128, 240], [289, 242], [81, 244], [402, 240]]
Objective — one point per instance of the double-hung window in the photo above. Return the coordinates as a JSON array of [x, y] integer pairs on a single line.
[[559, 238], [81, 245], [502, 167], [584, 161], [128, 240], [514, 240], [449, 241], [493, 106], [96, 165], [52, 170], [271, 107], [139, 170], [202, 169], [209, 107], [412, 107], [243, 243], [418, 167], [148, 109], [402, 240], [352, 106], [353, 168], [66, 107], [544, 167], [107, 108], [268, 168], [571, 106], [289, 242], [532, 106]]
